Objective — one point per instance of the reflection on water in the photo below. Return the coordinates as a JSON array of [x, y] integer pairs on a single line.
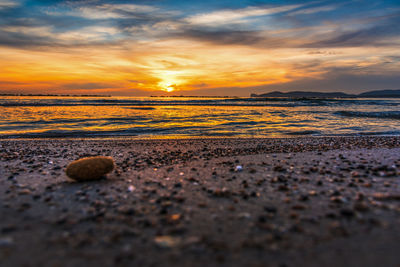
[[195, 117]]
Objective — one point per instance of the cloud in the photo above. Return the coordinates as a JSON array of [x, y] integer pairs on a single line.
[[96, 23], [5, 4], [13, 83], [312, 10], [45, 36], [384, 32], [225, 37], [88, 34], [235, 16], [89, 86], [108, 11], [23, 39]]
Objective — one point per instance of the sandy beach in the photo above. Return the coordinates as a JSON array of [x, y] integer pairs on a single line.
[[203, 202]]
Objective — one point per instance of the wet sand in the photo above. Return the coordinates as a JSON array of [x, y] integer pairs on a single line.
[[203, 202]]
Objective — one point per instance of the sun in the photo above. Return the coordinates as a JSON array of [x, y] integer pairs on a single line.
[[167, 86]]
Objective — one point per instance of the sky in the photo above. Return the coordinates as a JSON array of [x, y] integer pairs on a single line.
[[171, 47]]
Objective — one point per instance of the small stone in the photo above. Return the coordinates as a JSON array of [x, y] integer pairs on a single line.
[[361, 206], [270, 209], [279, 168], [244, 215], [24, 192], [299, 207], [312, 193], [386, 196], [224, 192], [91, 168], [174, 217], [167, 241], [283, 188], [338, 199], [347, 212], [125, 209]]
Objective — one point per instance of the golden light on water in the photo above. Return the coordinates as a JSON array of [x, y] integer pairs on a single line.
[[177, 120]]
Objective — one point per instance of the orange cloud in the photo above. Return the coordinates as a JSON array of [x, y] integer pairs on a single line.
[[172, 65]]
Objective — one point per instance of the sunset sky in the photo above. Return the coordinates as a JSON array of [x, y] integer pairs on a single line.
[[203, 47]]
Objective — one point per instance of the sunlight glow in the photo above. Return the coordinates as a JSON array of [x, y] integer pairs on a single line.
[[167, 86]]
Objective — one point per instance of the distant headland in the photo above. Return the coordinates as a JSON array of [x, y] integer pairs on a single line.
[[306, 94]]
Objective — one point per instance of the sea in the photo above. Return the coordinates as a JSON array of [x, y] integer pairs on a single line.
[[194, 117]]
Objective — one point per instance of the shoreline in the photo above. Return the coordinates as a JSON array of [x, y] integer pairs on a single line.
[[185, 137], [297, 201]]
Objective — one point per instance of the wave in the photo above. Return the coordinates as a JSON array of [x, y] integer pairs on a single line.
[[150, 117], [79, 121], [366, 133], [360, 114], [303, 133], [104, 133], [240, 123], [141, 108], [188, 131]]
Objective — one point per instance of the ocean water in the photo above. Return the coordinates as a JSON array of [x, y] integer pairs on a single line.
[[175, 117]]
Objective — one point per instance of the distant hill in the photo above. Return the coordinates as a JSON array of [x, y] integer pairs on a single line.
[[381, 93], [305, 94]]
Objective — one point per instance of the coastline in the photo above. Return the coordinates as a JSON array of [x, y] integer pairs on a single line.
[[309, 201]]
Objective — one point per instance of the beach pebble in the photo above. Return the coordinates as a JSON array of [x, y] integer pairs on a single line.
[[167, 241], [91, 168]]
